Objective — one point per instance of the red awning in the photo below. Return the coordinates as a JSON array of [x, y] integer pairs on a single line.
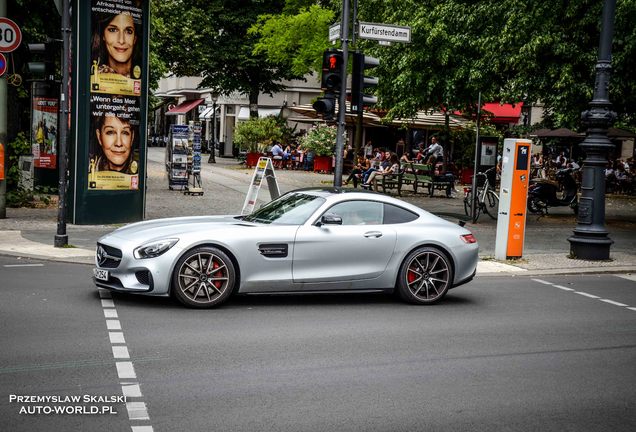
[[184, 107], [506, 113]]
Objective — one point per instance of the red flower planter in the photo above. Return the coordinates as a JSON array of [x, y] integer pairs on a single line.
[[322, 164], [251, 159]]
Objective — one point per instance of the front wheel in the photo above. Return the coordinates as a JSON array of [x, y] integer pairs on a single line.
[[203, 277], [425, 276]]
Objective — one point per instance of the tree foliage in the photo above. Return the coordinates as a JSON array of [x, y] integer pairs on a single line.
[[209, 38], [509, 50]]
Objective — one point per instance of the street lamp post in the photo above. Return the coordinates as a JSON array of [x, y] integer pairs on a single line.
[[212, 159], [590, 240]]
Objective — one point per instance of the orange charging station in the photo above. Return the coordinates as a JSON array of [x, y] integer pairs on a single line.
[[513, 196]]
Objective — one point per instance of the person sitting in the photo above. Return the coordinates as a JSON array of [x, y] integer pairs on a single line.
[[277, 154], [394, 168], [381, 161], [357, 171], [434, 153]]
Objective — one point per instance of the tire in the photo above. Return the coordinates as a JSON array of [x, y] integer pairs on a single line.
[[491, 204], [468, 209], [425, 276], [203, 277]]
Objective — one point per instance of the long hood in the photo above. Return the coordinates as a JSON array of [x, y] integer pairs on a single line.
[[174, 227]]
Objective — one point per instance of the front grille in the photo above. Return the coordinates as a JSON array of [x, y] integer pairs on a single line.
[[108, 256]]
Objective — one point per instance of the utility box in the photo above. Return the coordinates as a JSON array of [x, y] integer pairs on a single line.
[[25, 163], [513, 196]]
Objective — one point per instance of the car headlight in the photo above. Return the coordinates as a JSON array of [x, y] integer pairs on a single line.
[[154, 249]]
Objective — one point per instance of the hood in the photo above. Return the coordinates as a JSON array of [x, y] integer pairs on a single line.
[[171, 227]]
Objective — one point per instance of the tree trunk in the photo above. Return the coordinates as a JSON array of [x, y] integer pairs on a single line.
[[254, 102]]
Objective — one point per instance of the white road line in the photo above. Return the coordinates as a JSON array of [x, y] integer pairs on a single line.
[[108, 303], [131, 390], [632, 308], [563, 288], [113, 324], [142, 429], [120, 352], [125, 370], [586, 294], [612, 302], [23, 265], [116, 337], [110, 313], [542, 281], [137, 411], [631, 277]]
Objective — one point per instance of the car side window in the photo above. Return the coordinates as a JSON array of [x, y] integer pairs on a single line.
[[397, 215], [359, 212]]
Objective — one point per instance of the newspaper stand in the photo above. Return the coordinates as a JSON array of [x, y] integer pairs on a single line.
[[177, 157], [193, 185]]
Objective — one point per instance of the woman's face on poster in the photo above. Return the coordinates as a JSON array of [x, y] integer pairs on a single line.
[[120, 38], [116, 138]]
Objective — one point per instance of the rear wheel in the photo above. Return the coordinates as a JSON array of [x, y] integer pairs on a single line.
[[425, 276], [203, 277], [491, 204], [468, 201]]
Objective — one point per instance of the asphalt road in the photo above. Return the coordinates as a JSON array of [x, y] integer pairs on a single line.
[[501, 353]]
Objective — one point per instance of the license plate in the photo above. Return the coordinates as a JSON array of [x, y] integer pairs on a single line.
[[100, 274]]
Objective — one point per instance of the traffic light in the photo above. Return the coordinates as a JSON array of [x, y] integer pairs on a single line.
[[326, 106], [359, 82], [44, 67], [332, 75]]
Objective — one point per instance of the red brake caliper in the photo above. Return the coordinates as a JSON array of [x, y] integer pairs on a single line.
[[411, 276], [215, 266]]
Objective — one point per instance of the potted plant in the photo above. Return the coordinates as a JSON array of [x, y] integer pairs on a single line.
[[321, 140], [256, 136]]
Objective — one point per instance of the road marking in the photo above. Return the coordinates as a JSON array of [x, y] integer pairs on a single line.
[[135, 405], [608, 301], [586, 294], [563, 288], [23, 265], [630, 277], [542, 281], [120, 352], [612, 302]]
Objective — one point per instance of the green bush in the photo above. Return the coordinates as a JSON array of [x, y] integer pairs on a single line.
[[258, 134], [321, 140]]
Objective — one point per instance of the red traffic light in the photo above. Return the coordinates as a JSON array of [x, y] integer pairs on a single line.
[[332, 62]]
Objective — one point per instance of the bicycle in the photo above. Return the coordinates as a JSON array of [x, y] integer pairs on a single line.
[[486, 199]]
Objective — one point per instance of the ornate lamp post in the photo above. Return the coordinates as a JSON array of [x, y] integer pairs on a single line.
[[590, 240], [212, 159]]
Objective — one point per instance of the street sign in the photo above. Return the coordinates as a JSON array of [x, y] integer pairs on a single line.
[[384, 32], [334, 32], [3, 64], [10, 35]]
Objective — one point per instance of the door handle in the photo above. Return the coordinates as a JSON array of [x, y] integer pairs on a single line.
[[376, 234]]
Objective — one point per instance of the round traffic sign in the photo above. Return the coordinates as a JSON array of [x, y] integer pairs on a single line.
[[10, 35], [3, 64]]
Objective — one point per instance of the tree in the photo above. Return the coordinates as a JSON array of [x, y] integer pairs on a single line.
[[510, 50], [209, 38]]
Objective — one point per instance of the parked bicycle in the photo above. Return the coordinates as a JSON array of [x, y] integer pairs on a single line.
[[486, 199]]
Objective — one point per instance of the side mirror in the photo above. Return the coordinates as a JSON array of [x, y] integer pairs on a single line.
[[330, 219]]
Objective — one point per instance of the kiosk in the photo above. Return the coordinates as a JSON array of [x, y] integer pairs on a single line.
[[513, 195]]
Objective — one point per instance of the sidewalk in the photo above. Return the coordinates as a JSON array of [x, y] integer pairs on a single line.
[[29, 233]]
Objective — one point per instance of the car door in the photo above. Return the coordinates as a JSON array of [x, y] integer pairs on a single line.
[[358, 249]]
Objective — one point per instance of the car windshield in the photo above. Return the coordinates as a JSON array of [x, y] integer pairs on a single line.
[[290, 209]]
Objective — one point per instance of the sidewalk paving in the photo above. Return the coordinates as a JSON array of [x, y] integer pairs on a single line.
[[29, 233]]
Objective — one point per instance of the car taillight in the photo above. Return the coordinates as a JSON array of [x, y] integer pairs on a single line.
[[468, 238]]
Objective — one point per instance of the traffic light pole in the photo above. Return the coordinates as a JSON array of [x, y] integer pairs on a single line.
[[342, 101], [61, 237], [3, 132]]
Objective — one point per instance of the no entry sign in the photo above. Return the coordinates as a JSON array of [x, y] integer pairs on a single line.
[[3, 64], [10, 35]]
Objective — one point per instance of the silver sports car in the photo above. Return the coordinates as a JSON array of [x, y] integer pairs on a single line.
[[308, 240]]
